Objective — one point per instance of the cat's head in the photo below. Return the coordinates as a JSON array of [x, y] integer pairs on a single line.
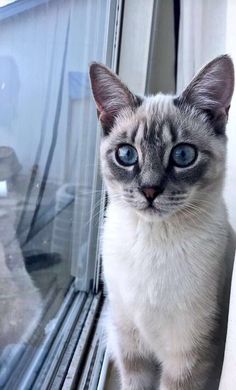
[[161, 154]]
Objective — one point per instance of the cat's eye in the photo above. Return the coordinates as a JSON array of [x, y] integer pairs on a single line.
[[183, 155], [126, 155]]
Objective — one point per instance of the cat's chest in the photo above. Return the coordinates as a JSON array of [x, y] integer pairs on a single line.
[[147, 272], [150, 266]]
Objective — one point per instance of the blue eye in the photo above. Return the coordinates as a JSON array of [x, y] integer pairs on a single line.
[[127, 155], [183, 155]]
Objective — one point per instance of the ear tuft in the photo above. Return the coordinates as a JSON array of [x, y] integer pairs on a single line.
[[110, 94], [212, 88]]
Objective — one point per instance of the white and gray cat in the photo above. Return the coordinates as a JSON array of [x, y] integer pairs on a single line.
[[166, 232]]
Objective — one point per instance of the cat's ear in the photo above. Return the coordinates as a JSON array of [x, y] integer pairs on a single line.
[[110, 95], [212, 88]]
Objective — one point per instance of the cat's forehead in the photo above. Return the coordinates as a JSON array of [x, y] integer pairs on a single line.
[[158, 120], [157, 115], [158, 107], [153, 109]]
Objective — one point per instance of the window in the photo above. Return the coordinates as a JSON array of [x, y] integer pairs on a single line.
[[3, 3], [50, 188], [51, 193]]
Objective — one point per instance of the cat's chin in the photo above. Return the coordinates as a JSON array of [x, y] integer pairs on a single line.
[[151, 214]]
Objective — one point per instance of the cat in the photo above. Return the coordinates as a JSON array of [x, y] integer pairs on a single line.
[[166, 230]]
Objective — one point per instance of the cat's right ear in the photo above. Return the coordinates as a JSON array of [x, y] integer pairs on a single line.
[[211, 90], [110, 95]]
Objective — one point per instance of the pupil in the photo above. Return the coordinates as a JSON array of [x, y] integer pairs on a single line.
[[184, 155], [127, 155]]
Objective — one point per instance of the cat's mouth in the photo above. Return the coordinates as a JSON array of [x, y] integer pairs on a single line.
[[152, 213], [154, 209], [161, 210], [162, 207]]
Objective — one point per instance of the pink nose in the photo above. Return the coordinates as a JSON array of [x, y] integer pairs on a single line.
[[150, 192]]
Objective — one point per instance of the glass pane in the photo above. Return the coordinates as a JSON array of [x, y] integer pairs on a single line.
[[50, 189], [3, 3]]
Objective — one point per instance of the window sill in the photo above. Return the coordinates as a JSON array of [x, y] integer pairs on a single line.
[[68, 346]]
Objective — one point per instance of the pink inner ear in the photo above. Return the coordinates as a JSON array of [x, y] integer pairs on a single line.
[[106, 119], [212, 87], [110, 94]]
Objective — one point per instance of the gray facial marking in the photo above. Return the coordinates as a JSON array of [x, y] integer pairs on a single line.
[[164, 133], [217, 124], [133, 134], [189, 176], [153, 136], [119, 173], [124, 135], [152, 172], [154, 129], [156, 125]]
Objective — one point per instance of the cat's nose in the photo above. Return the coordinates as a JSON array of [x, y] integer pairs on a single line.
[[151, 193]]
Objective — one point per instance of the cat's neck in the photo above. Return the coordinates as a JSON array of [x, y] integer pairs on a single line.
[[197, 216]]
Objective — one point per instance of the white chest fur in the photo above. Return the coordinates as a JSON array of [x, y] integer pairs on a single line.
[[162, 278]]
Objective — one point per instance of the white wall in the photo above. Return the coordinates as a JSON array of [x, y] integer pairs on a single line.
[[134, 52], [161, 71]]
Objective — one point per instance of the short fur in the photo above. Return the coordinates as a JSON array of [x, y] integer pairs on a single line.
[[165, 266]]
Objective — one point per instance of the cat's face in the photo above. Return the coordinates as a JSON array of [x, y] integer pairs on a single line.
[[161, 155], [158, 158]]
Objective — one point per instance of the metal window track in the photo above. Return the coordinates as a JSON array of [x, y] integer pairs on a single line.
[[104, 371], [89, 378], [38, 359], [68, 352]]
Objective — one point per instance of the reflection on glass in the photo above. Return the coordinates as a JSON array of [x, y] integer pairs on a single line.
[[49, 183]]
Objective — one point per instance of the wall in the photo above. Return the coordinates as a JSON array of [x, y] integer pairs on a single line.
[[134, 52], [161, 70]]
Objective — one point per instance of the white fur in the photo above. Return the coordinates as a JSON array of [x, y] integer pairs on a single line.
[[162, 279]]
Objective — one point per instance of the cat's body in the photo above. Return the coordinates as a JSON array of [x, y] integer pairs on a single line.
[[166, 231], [161, 315]]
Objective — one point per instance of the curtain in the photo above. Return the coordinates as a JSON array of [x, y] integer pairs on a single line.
[[228, 378], [208, 29]]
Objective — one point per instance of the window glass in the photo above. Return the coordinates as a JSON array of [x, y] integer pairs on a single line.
[[3, 3], [50, 188]]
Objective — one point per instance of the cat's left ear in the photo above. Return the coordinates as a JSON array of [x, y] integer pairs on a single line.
[[110, 95], [212, 88]]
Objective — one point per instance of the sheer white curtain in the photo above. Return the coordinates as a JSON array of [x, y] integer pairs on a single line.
[[228, 379], [202, 36], [208, 29]]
